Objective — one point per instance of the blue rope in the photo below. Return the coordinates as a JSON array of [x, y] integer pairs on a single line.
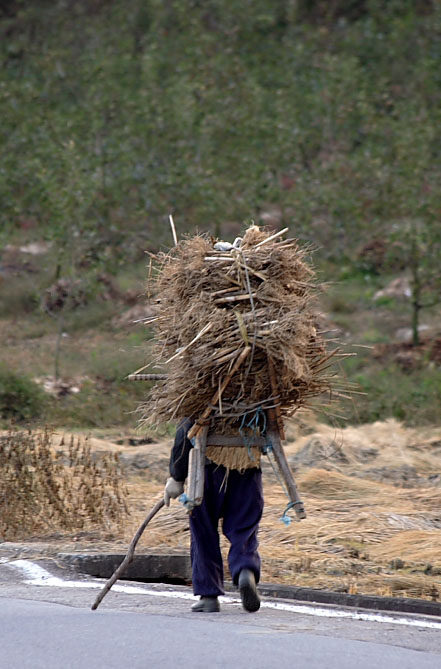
[[187, 502], [254, 425], [285, 518]]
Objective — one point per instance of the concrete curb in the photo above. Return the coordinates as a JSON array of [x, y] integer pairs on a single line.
[[176, 568], [395, 604], [152, 567]]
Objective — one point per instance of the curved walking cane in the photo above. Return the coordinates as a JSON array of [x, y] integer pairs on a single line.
[[129, 556]]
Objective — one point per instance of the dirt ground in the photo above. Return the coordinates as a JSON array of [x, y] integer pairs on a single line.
[[372, 495]]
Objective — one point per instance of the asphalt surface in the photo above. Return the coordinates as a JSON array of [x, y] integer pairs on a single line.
[[46, 622]]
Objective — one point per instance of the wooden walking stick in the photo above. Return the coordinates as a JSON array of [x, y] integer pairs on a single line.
[[129, 557]]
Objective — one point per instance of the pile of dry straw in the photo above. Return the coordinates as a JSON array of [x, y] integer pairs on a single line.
[[216, 308]]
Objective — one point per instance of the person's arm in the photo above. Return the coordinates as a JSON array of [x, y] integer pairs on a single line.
[[178, 462], [181, 451]]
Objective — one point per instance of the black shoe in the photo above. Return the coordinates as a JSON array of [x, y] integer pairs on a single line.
[[206, 605], [248, 591]]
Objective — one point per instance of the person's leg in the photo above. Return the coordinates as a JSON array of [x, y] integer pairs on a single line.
[[242, 511], [206, 557]]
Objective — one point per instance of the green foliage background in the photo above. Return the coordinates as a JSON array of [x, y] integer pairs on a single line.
[[20, 398], [115, 114]]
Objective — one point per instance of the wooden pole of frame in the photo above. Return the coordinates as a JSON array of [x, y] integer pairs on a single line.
[[276, 433], [196, 470]]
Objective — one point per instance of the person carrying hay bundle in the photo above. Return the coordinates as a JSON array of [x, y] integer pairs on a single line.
[[233, 495], [236, 330]]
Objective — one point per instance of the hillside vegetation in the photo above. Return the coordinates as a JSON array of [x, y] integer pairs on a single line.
[[321, 116]]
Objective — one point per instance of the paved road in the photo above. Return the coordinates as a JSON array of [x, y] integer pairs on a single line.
[[46, 623]]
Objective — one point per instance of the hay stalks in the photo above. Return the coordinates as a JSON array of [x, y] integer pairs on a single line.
[[211, 303], [41, 491]]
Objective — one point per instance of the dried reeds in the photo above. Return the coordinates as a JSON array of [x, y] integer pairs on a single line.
[[212, 306], [42, 491]]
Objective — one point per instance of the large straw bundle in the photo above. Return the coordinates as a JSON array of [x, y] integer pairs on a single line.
[[214, 305]]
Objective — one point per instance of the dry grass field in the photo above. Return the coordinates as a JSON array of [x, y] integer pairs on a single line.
[[373, 501], [372, 495]]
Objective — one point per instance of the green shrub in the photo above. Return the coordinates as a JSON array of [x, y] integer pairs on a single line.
[[18, 296], [21, 399], [93, 316], [113, 363], [100, 405], [390, 392]]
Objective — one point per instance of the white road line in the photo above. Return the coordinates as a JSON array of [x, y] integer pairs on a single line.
[[39, 576]]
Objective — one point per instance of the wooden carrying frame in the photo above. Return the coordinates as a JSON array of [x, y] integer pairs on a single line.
[[196, 469], [200, 438], [275, 433]]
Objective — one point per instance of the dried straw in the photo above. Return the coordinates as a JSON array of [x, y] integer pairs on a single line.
[[212, 305]]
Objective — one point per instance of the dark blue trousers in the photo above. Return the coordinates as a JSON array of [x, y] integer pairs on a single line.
[[238, 500]]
